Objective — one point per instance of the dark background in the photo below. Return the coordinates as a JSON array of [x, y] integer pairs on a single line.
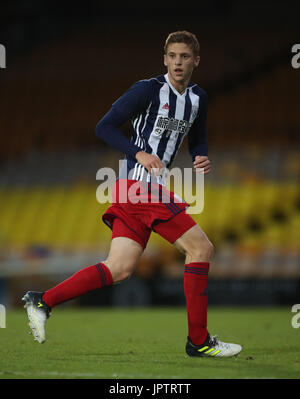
[[66, 64]]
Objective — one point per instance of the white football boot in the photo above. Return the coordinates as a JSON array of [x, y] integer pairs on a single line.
[[212, 347], [38, 312]]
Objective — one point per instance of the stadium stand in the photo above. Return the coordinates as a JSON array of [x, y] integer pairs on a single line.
[[53, 96]]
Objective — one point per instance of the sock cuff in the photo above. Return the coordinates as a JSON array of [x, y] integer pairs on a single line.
[[198, 264], [199, 268], [104, 274]]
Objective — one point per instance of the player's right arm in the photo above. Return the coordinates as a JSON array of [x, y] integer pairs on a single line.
[[132, 102], [151, 162], [107, 129]]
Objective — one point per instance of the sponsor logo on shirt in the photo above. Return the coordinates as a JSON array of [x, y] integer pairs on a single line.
[[171, 124]]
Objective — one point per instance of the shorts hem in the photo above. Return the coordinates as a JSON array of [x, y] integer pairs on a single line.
[[134, 236]]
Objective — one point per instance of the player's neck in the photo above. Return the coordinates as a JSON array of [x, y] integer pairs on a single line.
[[179, 86]]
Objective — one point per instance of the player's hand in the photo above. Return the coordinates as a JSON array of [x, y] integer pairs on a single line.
[[202, 162], [151, 162]]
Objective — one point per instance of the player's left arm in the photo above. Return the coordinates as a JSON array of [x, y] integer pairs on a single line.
[[202, 162], [197, 141]]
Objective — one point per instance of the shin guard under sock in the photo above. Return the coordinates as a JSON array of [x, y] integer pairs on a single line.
[[195, 289], [87, 279]]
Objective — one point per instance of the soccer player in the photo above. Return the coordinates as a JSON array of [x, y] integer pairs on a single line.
[[163, 110]]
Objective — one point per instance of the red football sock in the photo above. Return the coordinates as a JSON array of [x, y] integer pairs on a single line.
[[195, 289], [88, 279]]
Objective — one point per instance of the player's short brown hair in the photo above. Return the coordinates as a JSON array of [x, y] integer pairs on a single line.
[[186, 37]]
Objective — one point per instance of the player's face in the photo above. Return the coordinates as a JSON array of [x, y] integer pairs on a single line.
[[180, 61]]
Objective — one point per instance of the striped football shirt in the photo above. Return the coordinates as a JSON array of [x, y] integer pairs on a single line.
[[161, 119]]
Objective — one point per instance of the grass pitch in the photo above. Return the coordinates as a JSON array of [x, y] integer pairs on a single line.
[[148, 343]]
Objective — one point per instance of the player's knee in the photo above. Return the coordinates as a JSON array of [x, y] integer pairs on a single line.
[[209, 249], [120, 271], [122, 275], [202, 251]]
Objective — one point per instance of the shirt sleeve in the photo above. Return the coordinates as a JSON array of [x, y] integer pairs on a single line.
[[197, 141], [132, 102]]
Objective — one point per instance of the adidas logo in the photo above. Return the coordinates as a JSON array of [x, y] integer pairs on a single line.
[[209, 351], [166, 106]]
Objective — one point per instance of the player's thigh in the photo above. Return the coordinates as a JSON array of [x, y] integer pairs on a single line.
[[195, 244], [122, 258]]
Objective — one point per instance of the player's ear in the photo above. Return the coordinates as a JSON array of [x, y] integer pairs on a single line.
[[165, 60], [197, 60]]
